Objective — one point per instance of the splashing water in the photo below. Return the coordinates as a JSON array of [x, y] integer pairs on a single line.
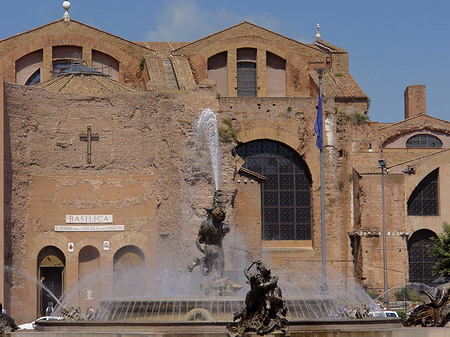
[[10, 270], [207, 127]]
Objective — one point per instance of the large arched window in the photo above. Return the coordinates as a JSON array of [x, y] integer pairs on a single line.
[[286, 192], [246, 72], [423, 141], [424, 199], [420, 261]]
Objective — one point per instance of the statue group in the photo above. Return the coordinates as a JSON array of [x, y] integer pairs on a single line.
[[209, 242], [436, 313], [265, 308]]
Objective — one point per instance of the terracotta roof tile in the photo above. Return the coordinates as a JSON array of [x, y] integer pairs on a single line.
[[163, 49], [85, 84], [341, 86]]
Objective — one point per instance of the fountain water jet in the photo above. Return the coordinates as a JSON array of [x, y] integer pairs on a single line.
[[207, 127]]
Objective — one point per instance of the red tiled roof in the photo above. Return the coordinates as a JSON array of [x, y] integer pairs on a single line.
[[339, 86]]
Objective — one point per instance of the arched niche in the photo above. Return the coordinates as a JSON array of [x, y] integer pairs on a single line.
[[89, 277], [217, 71], [128, 264], [28, 66], [276, 75], [51, 265], [105, 64]]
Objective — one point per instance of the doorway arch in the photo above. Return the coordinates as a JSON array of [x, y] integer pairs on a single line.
[[51, 267]]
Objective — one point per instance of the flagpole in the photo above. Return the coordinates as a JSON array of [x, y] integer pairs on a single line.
[[319, 131]]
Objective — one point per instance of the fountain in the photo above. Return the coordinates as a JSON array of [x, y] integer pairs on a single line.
[[205, 299]]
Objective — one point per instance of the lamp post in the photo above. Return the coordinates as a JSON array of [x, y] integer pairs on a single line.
[[382, 164], [318, 127]]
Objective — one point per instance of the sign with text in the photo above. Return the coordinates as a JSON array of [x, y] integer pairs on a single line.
[[89, 218], [87, 228]]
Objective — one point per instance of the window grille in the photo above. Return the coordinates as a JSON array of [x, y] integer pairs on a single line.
[[246, 79], [286, 192], [424, 199], [423, 141]]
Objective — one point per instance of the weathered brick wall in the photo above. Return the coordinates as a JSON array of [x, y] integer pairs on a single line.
[[144, 170]]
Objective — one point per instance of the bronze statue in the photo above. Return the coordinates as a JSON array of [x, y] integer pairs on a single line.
[[211, 233], [435, 313], [265, 307]]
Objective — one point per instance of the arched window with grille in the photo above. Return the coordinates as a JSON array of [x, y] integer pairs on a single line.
[[286, 192], [424, 199], [420, 261], [423, 141]]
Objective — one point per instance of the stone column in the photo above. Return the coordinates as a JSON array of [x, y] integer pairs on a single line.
[[2, 195], [232, 72], [261, 73], [107, 269], [47, 63], [87, 56]]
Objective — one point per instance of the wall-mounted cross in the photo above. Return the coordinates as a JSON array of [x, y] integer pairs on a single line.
[[88, 137]]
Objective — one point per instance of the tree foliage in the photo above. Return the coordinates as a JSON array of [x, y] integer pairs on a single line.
[[440, 249]]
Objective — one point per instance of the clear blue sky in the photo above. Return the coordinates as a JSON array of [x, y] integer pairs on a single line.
[[392, 43]]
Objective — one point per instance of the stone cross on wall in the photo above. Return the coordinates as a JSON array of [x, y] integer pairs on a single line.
[[88, 137]]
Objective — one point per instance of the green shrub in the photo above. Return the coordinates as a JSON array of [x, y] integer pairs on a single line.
[[358, 118]]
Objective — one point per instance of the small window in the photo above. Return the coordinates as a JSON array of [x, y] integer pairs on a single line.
[[35, 78], [60, 67], [423, 141]]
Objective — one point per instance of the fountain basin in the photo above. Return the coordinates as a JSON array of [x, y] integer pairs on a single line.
[[206, 308], [380, 327]]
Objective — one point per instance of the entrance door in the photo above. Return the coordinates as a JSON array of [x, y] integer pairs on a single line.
[[51, 271]]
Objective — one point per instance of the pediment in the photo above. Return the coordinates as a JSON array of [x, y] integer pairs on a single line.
[[66, 28], [420, 122], [246, 34]]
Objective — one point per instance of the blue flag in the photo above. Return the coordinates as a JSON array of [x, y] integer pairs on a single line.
[[318, 124]]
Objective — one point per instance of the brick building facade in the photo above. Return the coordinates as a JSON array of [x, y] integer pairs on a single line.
[[94, 125]]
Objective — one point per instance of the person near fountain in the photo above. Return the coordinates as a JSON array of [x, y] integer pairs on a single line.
[[211, 233], [49, 309]]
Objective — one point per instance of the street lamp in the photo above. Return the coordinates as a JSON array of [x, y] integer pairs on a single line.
[[382, 164]]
